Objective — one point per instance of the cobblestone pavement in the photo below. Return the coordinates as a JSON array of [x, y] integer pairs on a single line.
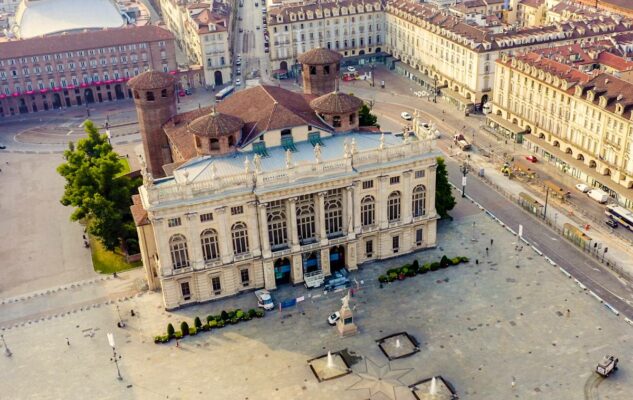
[[481, 326]]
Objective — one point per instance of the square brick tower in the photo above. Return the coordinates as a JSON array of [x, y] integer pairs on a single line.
[[155, 101]]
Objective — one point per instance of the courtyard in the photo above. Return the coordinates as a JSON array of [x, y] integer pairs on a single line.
[[494, 331]]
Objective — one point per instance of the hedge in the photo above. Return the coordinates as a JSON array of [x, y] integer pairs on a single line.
[[410, 270], [213, 322]]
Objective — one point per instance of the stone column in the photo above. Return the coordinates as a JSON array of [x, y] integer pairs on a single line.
[[349, 215], [263, 233], [381, 202], [293, 236], [356, 200], [430, 191], [162, 247], [325, 262], [321, 212], [254, 237], [352, 259], [194, 245], [297, 269], [407, 212], [224, 236], [269, 275]]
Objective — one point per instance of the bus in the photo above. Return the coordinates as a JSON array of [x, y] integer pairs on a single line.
[[623, 216], [224, 92]]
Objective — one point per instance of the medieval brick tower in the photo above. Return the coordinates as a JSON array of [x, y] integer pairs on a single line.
[[154, 97], [320, 68]]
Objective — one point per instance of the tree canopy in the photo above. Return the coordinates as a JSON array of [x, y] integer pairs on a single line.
[[444, 199], [100, 197], [365, 117]]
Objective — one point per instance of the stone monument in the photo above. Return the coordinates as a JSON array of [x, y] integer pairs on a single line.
[[346, 325]]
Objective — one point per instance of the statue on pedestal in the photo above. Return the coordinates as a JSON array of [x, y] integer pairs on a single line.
[[288, 158], [382, 141], [317, 153], [346, 325]]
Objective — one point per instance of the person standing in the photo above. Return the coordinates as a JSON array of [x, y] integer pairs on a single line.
[[68, 342]]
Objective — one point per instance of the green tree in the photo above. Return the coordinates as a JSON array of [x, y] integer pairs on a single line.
[[100, 198], [365, 117], [170, 330], [184, 327], [444, 200]]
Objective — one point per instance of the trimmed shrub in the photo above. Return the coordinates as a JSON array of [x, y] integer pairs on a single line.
[[246, 317], [405, 268], [259, 314], [193, 331], [197, 323], [383, 279], [205, 327], [184, 328], [224, 315], [231, 314], [158, 339], [392, 276], [455, 260], [412, 272], [415, 266], [239, 314], [210, 318], [178, 335], [393, 270], [220, 324], [213, 324], [444, 262], [464, 259], [252, 312], [234, 320], [165, 339], [435, 266], [170, 330]]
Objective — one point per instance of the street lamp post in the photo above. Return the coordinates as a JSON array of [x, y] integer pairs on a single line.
[[120, 324], [473, 239], [115, 357], [465, 168], [604, 252], [372, 74], [7, 352]]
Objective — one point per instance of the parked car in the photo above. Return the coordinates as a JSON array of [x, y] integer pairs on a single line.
[[351, 69], [3, 146], [182, 93], [598, 195], [238, 72], [532, 159], [611, 222], [406, 115], [238, 82], [333, 318], [241, 30], [264, 300], [188, 92], [582, 187], [257, 27]]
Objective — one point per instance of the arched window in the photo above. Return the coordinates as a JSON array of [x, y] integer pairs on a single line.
[[352, 119], [239, 233], [231, 141], [214, 144], [136, 95], [367, 210], [149, 96], [209, 241], [419, 201], [277, 231], [393, 206], [305, 218], [179, 253], [336, 121], [333, 216], [163, 93]]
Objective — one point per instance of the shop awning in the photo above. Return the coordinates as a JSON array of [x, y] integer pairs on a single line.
[[505, 124]]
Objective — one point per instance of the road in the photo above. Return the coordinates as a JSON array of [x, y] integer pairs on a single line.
[[250, 42]]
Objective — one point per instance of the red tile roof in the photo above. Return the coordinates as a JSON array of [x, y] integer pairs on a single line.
[[151, 80], [138, 212], [83, 41]]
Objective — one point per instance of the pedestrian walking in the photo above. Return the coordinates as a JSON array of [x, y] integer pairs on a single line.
[[514, 382], [177, 343], [486, 251], [68, 342], [568, 313], [491, 242]]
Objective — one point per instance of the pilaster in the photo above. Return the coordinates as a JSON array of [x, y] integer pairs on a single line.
[[263, 233], [321, 211], [251, 214], [297, 269], [430, 190], [269, 275], [194, 246], [224, 236], [381, 202], [406, 216], [356, 201], [349, 213], [292, 224], [352, 259], [325, 262]]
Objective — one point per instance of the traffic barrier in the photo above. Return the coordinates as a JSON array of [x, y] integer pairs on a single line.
[[596, 296], [583, 287], [567, 274], [539, 252], [511, 230], [524, 240], [613, 310], [628, 321], [549, 260]]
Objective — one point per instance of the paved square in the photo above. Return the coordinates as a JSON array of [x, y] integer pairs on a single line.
[[481, 326]]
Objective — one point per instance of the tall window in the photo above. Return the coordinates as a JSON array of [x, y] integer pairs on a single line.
[[179, 253], [277, 232], [393, 206], [209, 241], [419, 201], [239, 233], [367, 210], [305, 218], [334, 211], [244, 276], [186, 290]]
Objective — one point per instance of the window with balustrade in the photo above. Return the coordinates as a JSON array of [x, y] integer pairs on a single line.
[[179, 253], [239, 233], [305, 218], [418, 205], [210, 248], [277, 229], [393, 206], [367, 211]]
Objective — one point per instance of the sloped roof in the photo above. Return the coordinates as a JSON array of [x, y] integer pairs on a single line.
[[320, 56], [336, 103], [151, 80], [215, 124]]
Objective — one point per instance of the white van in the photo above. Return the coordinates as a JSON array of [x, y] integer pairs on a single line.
[[264, 299], [487, 108], [598, 195]]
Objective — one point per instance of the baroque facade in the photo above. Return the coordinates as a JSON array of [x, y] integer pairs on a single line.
[[582, 122], [271, 185]]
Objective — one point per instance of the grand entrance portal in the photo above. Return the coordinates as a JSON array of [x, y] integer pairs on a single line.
[[337, 258], [310, 262], [282, 271]]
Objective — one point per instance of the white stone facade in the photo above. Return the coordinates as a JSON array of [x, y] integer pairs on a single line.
[[227, 225]]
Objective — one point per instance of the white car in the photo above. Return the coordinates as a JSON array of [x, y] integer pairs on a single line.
[[351, 69], [238, 82], [406, 115], [333, 318], [582, 187]]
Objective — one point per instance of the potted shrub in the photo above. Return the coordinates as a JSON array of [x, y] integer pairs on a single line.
[[231, 314], [213, 324], [170, 330], [184, 328], [415, 266], [178, 335], [210, 318], [193, 331], [158, 339], [392, 276], [464, 259], [234, 320], [444, 262], [165, 339], [197, 323]]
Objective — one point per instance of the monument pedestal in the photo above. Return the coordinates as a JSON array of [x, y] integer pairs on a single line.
[[346, 325]]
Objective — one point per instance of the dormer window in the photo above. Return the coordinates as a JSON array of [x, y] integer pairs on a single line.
[[603, 101], [590, 95], [293, 16], [619, 109]]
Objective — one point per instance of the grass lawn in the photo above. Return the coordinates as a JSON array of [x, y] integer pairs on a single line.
[[126, 166], [107, 262]]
